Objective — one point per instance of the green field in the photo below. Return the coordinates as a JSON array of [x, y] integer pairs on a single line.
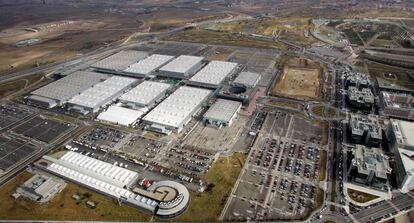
[[382, 33], [323, 111], [403, 77], [352, 36], [360, 197], [322, 165]]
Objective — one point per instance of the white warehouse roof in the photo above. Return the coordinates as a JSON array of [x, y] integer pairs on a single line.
[[149, 64], [145, 93], [223, 110], [182, 64], [98, 94], [104, 171], [407, 161], [100, 176], [214, 73], [120, 115], [120, 61], [247, 79], [178, 107], [69, 86], [404, 132]]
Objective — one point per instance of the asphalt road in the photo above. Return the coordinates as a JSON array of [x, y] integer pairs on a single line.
[[102, 52], [99, 53], [401, 202]]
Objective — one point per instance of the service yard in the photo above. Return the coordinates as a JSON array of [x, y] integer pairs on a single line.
[[214, 139]]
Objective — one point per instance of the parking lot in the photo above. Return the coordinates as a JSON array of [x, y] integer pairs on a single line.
[[184, 162], [306, 130], [104, 138], [190, 162], [11, 114], [279, 182], [291, 126], [258, 121], [142, 149], [277, 123], [13, 151], [42, 129]]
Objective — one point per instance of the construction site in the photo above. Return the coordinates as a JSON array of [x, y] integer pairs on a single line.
[[300, 79]]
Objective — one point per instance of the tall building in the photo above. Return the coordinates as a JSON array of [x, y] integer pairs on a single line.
[[401, 139], [358, 80], [412, 40], [369, 167], [365, 130], [362, 99]]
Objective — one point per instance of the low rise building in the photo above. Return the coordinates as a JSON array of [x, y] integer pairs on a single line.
[[117, 63], [120, 115], [59, 92], [222, 113], [400, 136], [182, 67], [41, 188], [145, 95], [92, 99], [242, 88], [213, 75], [396, 105], [148, 65], [385, 85], [365, 130], [177, 110], [164, 199], [247, 79]]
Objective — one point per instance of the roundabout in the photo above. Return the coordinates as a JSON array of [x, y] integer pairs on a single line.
[[324, 111]]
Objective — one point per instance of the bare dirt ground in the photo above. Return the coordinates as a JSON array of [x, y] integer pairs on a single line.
[[99, 23], [217, 140], [300, 79], [46, 30], [166, 19], [69, 28], [64, 31], [221, 38]]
